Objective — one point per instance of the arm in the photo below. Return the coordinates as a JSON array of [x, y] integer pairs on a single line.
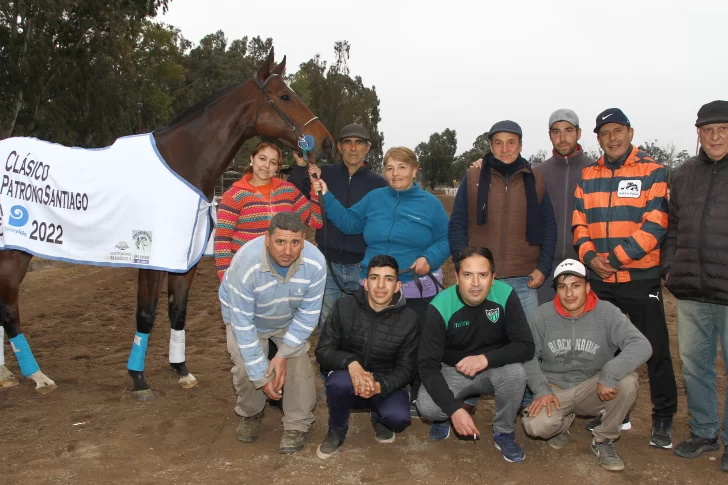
[[299, 178], [669, 244], [306, 316], [458, 226], [520, 345], [583, 244], [227, 219], [634, 347], [537, 382], [548, 226], [349, 221], [653, 227], [328, 353], [432, 347], [405, 366], [439, 250], [308, 210]]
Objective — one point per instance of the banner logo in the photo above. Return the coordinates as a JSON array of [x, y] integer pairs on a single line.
[[18, 216]]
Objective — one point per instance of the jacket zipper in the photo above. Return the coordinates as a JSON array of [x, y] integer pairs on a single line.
[[573, 339], [369, 341], [394, 216], [504, 232], [609, 218], [703, 218], [566, 214]]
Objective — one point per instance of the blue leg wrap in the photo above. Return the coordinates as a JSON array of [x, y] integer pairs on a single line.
[[138, 352], [26, 361]]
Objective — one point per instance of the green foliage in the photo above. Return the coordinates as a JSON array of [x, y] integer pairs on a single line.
[[667, 155], [481, 147], [436, 158], [538, 158]]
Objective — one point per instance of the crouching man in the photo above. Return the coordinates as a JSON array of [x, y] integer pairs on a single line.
[[272, 291], [574, 370], [369, 346], [474, 339]]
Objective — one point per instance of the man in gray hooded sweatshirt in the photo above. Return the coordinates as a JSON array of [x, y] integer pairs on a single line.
[[574, 370]]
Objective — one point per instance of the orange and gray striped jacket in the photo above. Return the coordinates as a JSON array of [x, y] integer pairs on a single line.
[[620, 213]]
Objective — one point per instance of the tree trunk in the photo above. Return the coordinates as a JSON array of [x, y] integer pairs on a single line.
[[8, 125]]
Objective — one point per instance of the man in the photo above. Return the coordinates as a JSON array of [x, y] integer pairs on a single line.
[[574, 370], [504, 206], [474, 339], [369, 344], [620, 218], [272, 291], [695, 267], [560, 173], [349, 182]]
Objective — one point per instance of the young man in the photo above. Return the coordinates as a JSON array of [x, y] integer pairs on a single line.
[[369, 344], [619, 221], [574, 370], [473, 342], [695, 268], [272, 291]]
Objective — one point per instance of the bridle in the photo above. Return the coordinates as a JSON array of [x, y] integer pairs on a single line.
[[302, 142]]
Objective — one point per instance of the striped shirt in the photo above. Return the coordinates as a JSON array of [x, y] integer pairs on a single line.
[[244, 214], [620, 212], [254, 298]]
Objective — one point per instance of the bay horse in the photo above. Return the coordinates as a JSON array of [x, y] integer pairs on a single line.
[[198, 145]]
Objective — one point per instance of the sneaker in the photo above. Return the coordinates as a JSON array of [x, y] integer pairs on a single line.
[[249, 428], [292, 441], [559, 441], [506, 443], [334, 439], [661, 433], [696, 446], [607, 454], [439, 431], [413, 410], [596, 421], [381, 432], [724, 461]]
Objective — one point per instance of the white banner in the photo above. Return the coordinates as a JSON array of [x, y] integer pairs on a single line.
[[116, 206]]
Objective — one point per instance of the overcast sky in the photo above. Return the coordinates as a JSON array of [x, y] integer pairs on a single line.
[[465, 64]]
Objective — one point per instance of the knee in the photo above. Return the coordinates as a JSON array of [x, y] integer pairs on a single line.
[[338, 383], [629, 385], [427, 408], [543, 425], [511, 375], [396, 417]]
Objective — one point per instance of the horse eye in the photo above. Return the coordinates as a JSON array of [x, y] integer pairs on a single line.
[[285, 97]]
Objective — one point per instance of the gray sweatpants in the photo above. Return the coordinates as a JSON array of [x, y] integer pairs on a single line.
[[507, 383]]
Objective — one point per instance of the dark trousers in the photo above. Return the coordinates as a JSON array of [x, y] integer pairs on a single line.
[[641, 300], [393, 411]]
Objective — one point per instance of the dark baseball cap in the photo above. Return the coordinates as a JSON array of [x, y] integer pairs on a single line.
[[505, 126], [713, 112], [611, 115], [354, 130]]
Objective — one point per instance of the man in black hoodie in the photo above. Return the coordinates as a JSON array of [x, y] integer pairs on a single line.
[[369, 345]]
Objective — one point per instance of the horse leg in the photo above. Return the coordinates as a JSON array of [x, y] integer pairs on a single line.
[[150, 282], [178, 285], [13, 266]]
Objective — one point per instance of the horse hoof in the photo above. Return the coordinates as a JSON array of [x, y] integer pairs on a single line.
[[7, 379], [46, 389], [187, 382], [9, 382], [145, 395]]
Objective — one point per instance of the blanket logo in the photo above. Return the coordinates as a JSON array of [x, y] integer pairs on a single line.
[[18, 216], [493, 315], [122, 246], [142, 246], [630, 189]]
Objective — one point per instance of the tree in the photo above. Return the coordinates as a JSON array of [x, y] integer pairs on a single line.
[[593, 153], [667, 155], [481, 147], [436, 157], [538, 158]]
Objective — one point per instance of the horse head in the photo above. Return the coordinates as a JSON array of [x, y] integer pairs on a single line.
[[284, 116]]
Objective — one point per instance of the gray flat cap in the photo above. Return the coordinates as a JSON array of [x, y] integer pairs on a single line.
[[505, 126], [354, 130]]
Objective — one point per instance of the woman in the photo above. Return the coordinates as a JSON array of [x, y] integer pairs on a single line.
[[401, 220], [247, 207]]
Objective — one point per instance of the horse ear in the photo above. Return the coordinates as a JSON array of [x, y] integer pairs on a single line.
[[280, 69], [267, 67]]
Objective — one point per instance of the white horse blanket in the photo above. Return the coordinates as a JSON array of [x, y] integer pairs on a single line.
[[115, 206]]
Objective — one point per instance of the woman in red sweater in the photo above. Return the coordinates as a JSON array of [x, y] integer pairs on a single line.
[[247, 207]]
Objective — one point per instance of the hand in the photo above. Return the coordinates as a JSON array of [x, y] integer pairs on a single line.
[[277, 367], [601, 266], [421, 266], [472, 365], [606, 393], [463, 423], [543, 402], [377, 390], [362, 380], [272, 393], [537, 279], [314, 169], [319, 186], [477, 164], [299, 160]]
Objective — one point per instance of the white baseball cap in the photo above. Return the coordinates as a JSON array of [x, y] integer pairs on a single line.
[[572, 267]]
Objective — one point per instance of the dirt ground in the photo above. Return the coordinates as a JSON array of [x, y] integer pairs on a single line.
[[79, 321]]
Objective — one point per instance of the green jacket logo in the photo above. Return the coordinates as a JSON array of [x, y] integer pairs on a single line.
[[493, 315], [464, 323]]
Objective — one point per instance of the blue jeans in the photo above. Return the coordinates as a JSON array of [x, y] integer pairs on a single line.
[[529, 302], [699, 325]]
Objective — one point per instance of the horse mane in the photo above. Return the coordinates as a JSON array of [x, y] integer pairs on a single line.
[[201, 106]]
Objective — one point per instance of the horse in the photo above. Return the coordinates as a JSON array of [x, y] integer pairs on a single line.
[[198, 145]]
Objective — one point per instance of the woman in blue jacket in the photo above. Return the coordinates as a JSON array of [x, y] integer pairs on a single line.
[[401, 220]]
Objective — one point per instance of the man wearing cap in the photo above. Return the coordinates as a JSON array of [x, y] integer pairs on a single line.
[[695, 267], [574, 369], [619, 221], [349, 182], [560, 173], [504, 206]]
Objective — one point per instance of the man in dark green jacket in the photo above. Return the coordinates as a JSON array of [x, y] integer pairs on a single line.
[[474, 340]]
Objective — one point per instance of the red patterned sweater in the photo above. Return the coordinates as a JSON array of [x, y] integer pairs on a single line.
[[245, 214]]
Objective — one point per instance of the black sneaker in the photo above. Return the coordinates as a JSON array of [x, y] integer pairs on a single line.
[[724, 461], [661, 433], [333, 441], [381, 432], [597, 420], [696, 446]]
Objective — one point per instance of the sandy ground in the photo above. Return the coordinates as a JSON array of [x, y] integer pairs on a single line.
[[80, 324]]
